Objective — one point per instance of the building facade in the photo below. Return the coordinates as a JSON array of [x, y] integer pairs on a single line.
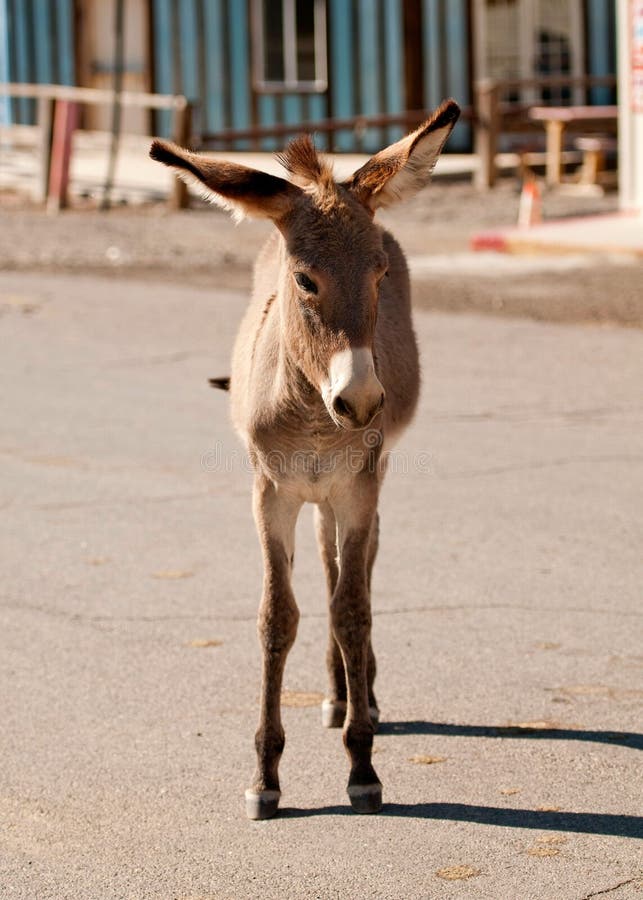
[[249, 63]]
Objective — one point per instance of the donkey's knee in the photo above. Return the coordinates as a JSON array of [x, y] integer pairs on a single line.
[[351, 628], [269, 744], [277, 624]]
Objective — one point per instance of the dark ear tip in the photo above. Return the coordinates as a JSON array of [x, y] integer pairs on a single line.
[[447, 112], [162, 152], [223, 384]]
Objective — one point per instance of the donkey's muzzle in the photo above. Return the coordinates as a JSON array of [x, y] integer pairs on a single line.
[[346, 413], [356, 393]]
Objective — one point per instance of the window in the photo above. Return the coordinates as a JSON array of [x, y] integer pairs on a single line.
[[289, 45]]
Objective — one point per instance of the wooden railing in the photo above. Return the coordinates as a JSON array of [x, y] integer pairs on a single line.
[[224, 139], [491, 116]]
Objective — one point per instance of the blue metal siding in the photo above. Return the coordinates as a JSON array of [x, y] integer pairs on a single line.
[[162, 32], [190, 47], [65, 34], [432, 52], [40, 48], [601, 47], [366, 74], [215, 71], [240, 100], [43, 45], [340, 63], [393, 63], [446, 60], [21, 59], [5, 107], [368, 56], [366, 67]]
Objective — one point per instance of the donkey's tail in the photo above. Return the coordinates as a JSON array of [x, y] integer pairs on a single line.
[[223, 383]]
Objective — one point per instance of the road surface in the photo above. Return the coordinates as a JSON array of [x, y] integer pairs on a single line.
[[507, 600]]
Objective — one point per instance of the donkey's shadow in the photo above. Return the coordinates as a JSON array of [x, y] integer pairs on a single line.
[[581, 823], [625, 738], [587, 823]]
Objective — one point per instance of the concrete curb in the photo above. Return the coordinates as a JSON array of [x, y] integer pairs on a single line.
[[610, 234]]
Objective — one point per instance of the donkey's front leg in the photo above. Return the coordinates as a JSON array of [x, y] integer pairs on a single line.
[[275, 517], [351, 622]]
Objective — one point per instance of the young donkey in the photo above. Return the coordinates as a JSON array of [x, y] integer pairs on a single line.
[[324, 377]]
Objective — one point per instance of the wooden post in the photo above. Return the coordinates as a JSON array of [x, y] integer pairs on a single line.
[[45, 123], [487, 128], [181, 134], [65, 116], [555, 131]]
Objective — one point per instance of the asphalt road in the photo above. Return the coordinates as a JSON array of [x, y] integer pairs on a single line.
[[507, 600]]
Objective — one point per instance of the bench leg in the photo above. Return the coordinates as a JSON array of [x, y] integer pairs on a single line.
[[593, 165], [554, 152]]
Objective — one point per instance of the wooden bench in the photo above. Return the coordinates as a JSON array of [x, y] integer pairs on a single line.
[[556, 119], [497, 111]]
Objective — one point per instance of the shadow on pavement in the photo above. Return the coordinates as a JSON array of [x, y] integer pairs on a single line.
[[587, 823], [626, 739]]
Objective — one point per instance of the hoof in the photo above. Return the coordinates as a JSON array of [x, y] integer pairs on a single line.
[[262, 805], [366, 799], [333, 713]]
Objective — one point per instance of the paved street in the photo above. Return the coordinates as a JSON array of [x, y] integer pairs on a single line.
[[507, 600]]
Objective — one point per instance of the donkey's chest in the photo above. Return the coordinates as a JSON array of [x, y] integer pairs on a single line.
[[312, 460]]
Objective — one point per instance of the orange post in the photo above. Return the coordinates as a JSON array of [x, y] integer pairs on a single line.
[[65, 118]]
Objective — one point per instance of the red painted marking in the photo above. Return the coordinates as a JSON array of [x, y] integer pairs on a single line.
[[489, 240]]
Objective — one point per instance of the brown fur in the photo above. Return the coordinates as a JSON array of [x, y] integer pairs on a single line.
[[325, 341]]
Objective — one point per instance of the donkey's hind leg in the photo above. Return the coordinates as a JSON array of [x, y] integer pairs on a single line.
[[372, 666], [334, 706], [275, 517]]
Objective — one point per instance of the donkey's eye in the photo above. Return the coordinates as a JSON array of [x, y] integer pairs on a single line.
[[305, 283]]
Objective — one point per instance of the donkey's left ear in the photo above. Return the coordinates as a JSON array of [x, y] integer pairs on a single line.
[[399, 171]]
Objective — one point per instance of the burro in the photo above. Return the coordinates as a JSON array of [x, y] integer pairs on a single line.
[[324, 378]]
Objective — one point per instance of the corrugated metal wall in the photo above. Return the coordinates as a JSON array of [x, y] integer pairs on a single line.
[[40, 47], [446, 55], [601, 46], [203, 48], [366, 74]]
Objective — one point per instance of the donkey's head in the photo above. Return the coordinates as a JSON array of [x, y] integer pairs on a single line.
[[332, 256]]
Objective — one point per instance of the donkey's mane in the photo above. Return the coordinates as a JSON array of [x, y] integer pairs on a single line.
[[305, 167]]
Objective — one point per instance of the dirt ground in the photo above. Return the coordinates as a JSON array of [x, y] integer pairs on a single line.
[[201, 246]]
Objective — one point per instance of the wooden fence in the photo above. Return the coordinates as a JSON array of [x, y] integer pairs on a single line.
[[56, 105]]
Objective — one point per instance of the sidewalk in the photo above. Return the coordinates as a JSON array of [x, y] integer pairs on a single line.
[[138, 178], [618, 233]]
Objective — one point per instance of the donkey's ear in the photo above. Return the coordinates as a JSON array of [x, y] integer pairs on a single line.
[[399, 171], [241, 190]]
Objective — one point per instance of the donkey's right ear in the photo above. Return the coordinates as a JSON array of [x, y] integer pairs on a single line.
[[241, 190], [401, 170]]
